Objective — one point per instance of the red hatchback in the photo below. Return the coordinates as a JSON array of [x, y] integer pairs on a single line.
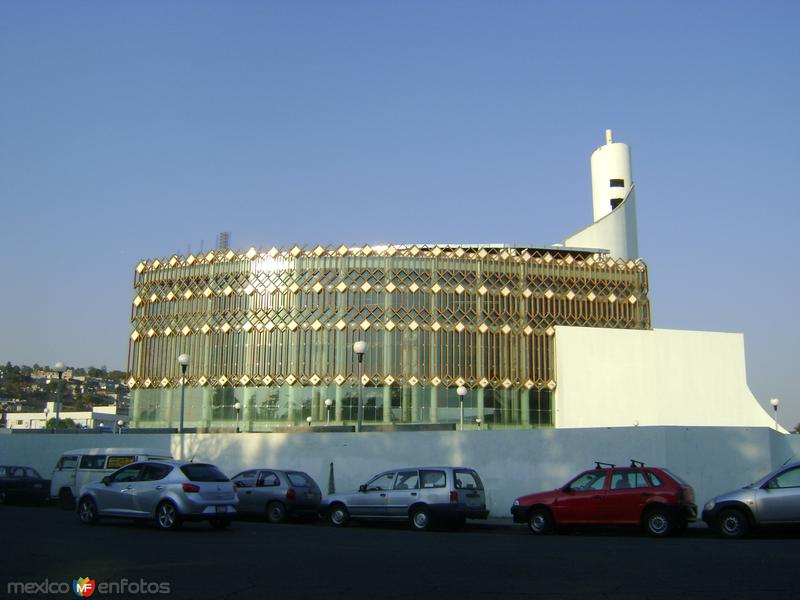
[[654, 498]]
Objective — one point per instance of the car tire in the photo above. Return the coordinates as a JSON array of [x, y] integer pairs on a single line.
[[65, 499], [87, 511], [540, 521], [167, 516], [220, 523], [421, 519], [338, 515], [276, 512], [732, 523], [659, 522]]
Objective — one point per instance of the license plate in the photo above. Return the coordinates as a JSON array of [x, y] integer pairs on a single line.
[[222, 509]]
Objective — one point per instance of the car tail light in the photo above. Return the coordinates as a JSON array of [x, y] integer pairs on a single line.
[[291, 494], [190, 488], [454, 497]]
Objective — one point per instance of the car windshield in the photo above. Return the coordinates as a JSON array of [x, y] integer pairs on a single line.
[[203, 473]]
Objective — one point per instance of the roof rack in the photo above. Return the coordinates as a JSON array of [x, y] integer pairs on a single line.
[[602, 465], [637, 463]]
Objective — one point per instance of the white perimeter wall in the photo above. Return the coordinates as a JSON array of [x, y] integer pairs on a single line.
[[615, 377], [511, 463]]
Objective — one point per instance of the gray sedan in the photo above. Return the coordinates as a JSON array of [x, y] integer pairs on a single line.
[[278, 493], [168, 492], [773, 499]]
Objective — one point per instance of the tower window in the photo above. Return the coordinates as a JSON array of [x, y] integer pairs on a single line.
[[615, 202], [617, 183]]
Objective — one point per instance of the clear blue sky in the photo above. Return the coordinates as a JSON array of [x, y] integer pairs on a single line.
[[137, 129]]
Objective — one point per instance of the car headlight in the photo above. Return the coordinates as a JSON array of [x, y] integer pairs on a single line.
[[709, 505], [516, 503]]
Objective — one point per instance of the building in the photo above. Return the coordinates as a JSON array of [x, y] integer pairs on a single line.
[[98, 417], [537, 336]]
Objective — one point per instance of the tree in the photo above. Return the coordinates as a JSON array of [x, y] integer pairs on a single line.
[[62, 424]]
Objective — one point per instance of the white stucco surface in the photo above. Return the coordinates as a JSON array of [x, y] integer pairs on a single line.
[[511, 463], [618, 378]]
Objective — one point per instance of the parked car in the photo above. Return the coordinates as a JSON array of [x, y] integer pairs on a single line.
[[278, 493], [22, 484], [774, 499], [166, 491], [652, 497], [78, 467], [420, 495]]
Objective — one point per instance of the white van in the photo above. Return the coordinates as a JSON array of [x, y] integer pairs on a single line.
[[78, 467]]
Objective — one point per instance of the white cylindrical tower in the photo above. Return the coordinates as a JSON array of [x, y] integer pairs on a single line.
[[612, 176]]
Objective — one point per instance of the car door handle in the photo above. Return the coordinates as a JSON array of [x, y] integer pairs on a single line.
[[384, 495], [159, 487], [646, 494], [413, 493]]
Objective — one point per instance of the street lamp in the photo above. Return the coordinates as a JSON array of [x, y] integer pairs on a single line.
[[46, 412], [59, 367], [461, 391], [120, 423], [328, 404], [237, 407], [478, 421], [775, 402], [360, 347], [183, 361], [308, 420]]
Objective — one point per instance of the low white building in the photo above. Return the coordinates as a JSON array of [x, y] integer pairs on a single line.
[[99, 416]]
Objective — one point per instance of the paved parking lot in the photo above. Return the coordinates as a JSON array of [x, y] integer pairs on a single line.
[[256, 559]]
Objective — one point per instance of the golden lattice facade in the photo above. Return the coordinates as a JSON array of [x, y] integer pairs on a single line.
[[273, 330]]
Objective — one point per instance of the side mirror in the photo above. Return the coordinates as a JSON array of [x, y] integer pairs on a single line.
[[106, 480], [566, 489], [362, 487]]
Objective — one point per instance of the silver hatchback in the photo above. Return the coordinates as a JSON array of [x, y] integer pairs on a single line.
[[420, 495], [278, 493], [168, 492], [773, 499]]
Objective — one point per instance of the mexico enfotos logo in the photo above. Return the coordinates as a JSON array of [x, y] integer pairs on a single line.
[[85, 587]]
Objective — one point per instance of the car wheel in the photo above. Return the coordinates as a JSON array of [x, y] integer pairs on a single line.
[[87, 511], [421, 519], [540, 521], [220, 523], [658, 522], [733, 523], [338, 516], [167, 516], [276, 512], [65, 499]]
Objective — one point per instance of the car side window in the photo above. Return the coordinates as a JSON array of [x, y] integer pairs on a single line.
[[3, 472], [627, 479], [407, 480], [127, 474], [155, 472], [654, 479], [592, 481], [787, 479], [384, 481], [67, 462], [433, 479], [268, 479], [32, 473], [93, 461], [245, 479]]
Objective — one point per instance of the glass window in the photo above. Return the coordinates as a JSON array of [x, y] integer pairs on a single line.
[[3, 471], [116, 462], [94, 461], [407, 480], [654, 479], [616, 183], [433, 479], [32, 473], [787, 479], [246, 479], [299, 479], [155, 472], [628, 479], [467, 479], [67, 462], [268, 479], [129, 473], [384, 481], [203, 473], [594, 480]]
